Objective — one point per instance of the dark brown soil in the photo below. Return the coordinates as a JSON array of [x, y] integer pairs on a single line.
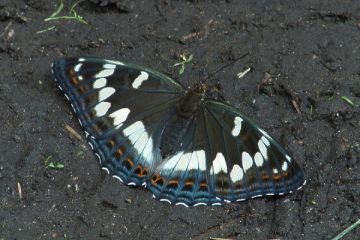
[[304, 56]]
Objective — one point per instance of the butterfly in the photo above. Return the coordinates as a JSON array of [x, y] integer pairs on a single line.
[[188, 149]]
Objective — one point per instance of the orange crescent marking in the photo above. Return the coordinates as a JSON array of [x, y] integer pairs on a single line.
[[118, 153], [141, 172], [144, 172], [73, 77], [265, 177], [189, 183], [156, 178], [82, 89], [111, 142], [128, 159], [276, 177], [203, 184], [74, 80], [173, 182]]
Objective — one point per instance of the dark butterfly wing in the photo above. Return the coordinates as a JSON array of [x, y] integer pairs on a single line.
[[222, 157], [248, 162], [122, 108], [225, 158]]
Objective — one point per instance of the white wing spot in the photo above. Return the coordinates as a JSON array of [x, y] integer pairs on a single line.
[[115, 62], [141, 143], [219, 164], [104, 73], [100, 83], [170, 163], [247, 161], [288, 157], [141, 140], [200, 204], [183, 163], [81, 60], [189, 161], [140, 79], [259, 160], [255, 196], [216, 204], [182, 204], [237, 126], [133, 127], [102, 108], [264, 133], [263, 149], [105, 93], [200, 154], [77, 67], [265, 141], [120, 116], [275, 171], [284, 166], [236, 173], [118, 178], [109, 66], [165, 200], [194, 161], [240, 199]]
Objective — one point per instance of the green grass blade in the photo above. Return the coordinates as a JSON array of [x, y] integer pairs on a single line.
[[46, 30], [189, 59], [182, 69], [72, 9], [347, 100], [60, 8]]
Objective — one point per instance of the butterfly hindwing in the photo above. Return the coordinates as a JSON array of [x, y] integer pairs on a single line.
[[182, 177], [229, 159], [122, 108]]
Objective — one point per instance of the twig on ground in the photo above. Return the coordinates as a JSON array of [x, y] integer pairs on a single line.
[[73, 132], [243, 73], [19, 190], [296, 106]]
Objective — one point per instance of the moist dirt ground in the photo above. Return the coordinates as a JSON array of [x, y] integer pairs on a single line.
[[304, 61]]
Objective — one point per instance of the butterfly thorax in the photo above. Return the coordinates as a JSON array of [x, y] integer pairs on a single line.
[[176, 131]]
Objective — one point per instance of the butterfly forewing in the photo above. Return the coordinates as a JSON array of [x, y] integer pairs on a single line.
[[255, 163], [122, 108], [146, 129]]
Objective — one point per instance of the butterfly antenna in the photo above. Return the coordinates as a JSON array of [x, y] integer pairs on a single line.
[[225, 66]]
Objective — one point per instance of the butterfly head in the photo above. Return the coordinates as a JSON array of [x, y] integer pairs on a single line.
[[209, 91]]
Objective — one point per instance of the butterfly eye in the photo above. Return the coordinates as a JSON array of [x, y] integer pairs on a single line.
[[147, 130]]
